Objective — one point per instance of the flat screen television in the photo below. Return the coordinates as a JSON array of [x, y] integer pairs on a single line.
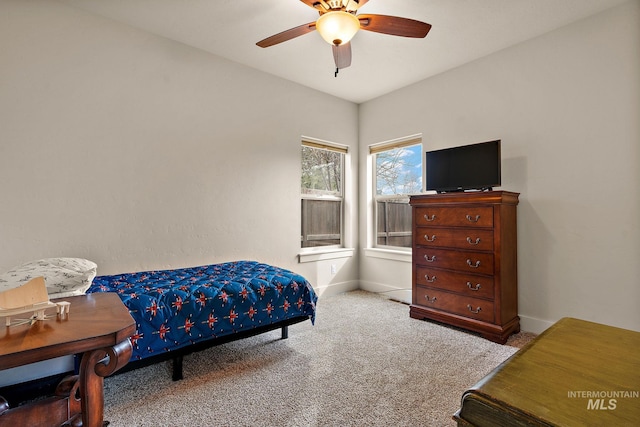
[[468, 167]]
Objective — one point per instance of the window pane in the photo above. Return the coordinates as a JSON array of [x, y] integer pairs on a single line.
[[321, 188], [399, 171], [321, 171], [320, 222], [394, 223]]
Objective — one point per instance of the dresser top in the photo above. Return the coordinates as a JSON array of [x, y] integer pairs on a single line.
[[463, 197]]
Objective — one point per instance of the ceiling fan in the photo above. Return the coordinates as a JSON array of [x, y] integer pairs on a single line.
[[338, 23]]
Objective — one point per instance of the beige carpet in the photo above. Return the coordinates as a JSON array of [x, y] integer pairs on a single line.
[[364, 363]]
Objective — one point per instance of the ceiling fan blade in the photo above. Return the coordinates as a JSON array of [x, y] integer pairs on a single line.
[[342, 55], [355, 4], [394, 25], [287, 35]]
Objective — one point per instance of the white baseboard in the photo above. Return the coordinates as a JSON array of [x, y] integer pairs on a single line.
[[336, 288], [532, 324], [392, 292]]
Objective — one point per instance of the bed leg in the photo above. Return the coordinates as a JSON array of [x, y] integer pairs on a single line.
[[285, 332], [177, 368]]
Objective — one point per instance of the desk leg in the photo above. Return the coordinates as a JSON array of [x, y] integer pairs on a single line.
[[93, 368]]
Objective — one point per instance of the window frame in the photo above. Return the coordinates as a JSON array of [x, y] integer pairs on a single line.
[[343, 150], [374, 150]]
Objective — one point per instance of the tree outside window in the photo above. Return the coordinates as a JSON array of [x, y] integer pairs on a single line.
[[398, 174]]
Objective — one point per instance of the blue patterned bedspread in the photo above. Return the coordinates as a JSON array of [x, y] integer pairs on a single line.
[[176, 308]]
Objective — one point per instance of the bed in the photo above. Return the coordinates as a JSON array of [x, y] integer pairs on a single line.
[[184, 310]]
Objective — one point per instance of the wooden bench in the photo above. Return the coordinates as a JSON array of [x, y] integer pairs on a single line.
[[576, 373]]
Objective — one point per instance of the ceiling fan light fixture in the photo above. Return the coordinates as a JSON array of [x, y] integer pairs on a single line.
[[337, 27]]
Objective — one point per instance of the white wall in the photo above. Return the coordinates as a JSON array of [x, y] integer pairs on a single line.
[[139, 153], [567, 107]]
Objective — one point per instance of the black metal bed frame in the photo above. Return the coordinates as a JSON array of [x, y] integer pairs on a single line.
[[177, 356]]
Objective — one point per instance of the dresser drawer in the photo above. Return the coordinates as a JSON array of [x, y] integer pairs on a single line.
[[473, 308], [463, 261], [467, 238], [465, 284], [471, 216]]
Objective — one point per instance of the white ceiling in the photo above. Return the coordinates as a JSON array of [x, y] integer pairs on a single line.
[[463, 30]]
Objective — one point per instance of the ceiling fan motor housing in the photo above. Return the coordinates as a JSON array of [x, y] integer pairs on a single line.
[[333, 4]]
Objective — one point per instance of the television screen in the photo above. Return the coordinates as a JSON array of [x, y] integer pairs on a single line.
[[469, 167]]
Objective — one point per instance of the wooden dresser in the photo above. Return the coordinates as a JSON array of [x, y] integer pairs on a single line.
[[465, 261]]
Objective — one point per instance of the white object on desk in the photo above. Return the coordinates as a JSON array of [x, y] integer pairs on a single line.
[[31, 298]]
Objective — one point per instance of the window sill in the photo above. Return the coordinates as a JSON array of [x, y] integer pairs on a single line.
[[390, 254], [325, 254]]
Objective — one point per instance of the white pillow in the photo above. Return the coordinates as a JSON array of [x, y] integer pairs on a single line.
[[63, 277]]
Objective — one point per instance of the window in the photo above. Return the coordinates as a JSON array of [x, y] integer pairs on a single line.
[[322, 188], [397, 174]]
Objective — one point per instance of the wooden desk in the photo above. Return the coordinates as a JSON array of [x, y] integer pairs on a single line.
[[98, 325], [576, 373]]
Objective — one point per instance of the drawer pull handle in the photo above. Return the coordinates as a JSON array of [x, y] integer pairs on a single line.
[[429, 218], [471, 242], [432, 239], [474, 288], [430, 279], [430, 259], [471, 219], [470, 264], [476, 311], [431, 300]]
